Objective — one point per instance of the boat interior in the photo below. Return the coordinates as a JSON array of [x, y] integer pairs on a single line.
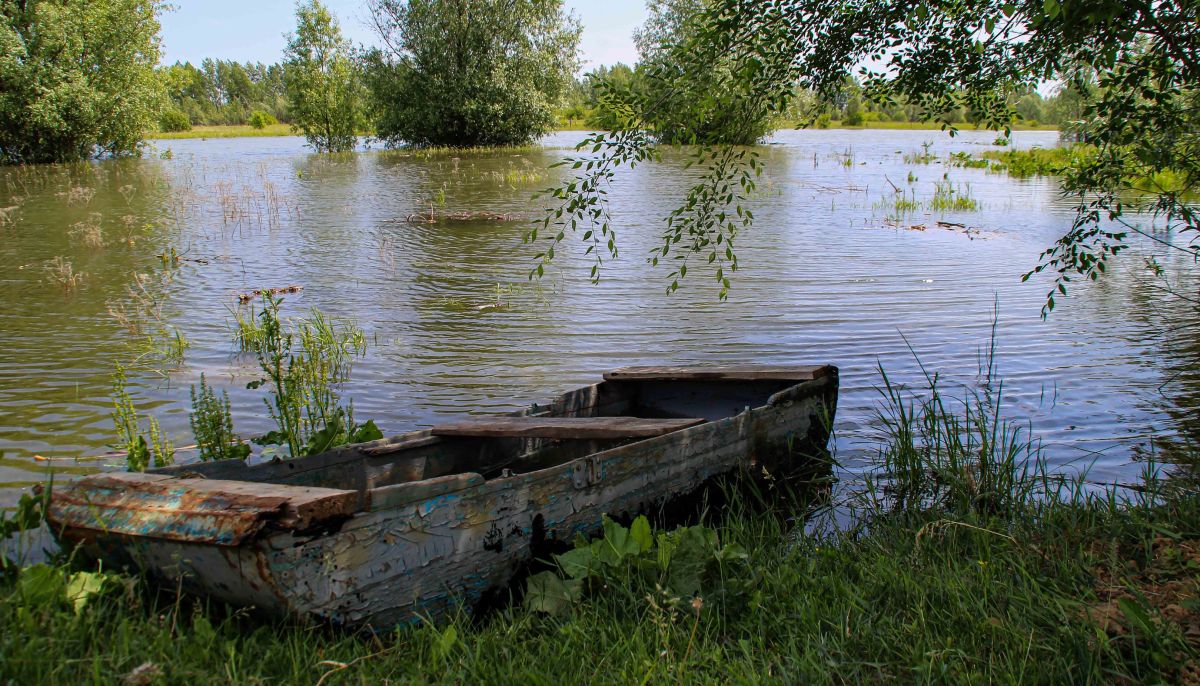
[[631, 404]]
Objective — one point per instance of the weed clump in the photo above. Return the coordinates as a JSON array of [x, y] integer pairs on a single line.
[[948, 197], [212, 425], [140, 451], [304, 369]]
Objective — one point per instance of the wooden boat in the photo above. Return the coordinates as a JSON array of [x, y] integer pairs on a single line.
[[380, 533]]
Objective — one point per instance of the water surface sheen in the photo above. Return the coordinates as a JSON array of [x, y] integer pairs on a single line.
[[824, 277]]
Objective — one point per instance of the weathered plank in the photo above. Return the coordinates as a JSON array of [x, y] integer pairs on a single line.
[[564, 427], [400, 494], [202, 510], [728, 373]]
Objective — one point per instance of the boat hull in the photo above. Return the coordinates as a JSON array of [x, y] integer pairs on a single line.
[[427, 548]]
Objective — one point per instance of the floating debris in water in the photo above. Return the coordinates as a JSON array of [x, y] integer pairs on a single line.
[[259, 292], [435, 217], [971, 232], [175, 257]]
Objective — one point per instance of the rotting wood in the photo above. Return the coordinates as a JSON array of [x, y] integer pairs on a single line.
[[401, 494], [202, 510], [727, 373], [564, 427], [396, 446]]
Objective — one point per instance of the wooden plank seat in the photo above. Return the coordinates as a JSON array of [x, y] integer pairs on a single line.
[[563, 427], [725, 373]]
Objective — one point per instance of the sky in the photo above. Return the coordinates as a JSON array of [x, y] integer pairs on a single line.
[[253, 30]]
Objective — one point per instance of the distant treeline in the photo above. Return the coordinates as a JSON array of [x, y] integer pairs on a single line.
[[587, 104], [221, 92], [225, 92]]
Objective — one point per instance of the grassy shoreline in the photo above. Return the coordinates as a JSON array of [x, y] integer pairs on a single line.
[[242, 131], [971, 563]]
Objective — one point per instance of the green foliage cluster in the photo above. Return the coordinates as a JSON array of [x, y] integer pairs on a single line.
[[965, 160], [327, 97], [683, 563], [55, 587], [76, 78], [261, 120], [470, 73], [605, 99], [951, 197], [212, 425], [223, 92], [27, 516], [603, 95], [172, 120], [1040, 161], [140, 452], [304, 368]]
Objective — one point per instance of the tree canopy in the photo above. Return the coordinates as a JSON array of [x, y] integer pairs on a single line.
[[681, 105], [1135, 63], [323, 80], [470, 72], [76, 78]]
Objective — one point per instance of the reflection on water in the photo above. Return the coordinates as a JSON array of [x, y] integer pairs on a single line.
[[825, 277]]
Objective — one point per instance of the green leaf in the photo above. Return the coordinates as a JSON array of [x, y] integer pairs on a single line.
[[41, 584], [1137, 616], [640, 532], [82, 586], [366, 432], [578, 563], [203, 629], [546, 592], [271, 438], [446, 641], [695, 548]]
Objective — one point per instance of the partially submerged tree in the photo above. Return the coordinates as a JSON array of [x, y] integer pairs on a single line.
[[470, 72], [323, 80], [1139, 61], [77, 78]]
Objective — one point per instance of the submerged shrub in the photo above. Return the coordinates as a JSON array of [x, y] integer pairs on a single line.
[[78, 78], [491, 80]]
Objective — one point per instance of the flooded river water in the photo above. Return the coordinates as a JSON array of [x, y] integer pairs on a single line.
[[825, 277]]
